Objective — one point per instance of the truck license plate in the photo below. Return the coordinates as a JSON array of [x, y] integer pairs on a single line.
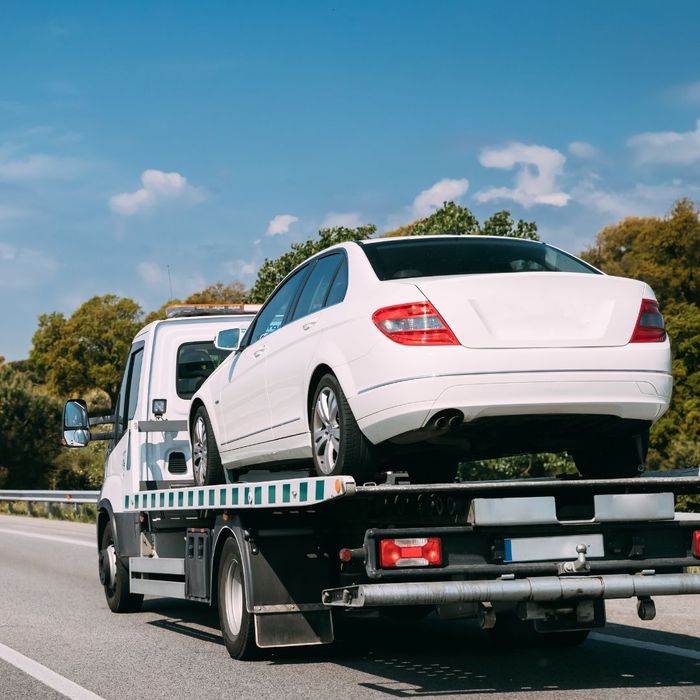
[[560, 548]]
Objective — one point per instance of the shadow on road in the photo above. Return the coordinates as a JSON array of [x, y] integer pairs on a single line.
[[433, 657]]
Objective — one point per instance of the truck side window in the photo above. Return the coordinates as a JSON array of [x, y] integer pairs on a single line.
[[129, 392]]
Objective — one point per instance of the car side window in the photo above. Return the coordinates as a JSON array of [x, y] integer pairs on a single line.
[[313, 296], [272, 316], [336, 294], [129, 392]]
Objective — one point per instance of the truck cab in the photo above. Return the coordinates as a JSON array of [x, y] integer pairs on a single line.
[[148, 444]]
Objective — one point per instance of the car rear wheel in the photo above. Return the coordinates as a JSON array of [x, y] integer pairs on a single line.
[[337, 443], [206, 462], [613, 458]]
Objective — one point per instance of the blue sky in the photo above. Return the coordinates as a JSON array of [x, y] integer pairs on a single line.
[[208, 136]]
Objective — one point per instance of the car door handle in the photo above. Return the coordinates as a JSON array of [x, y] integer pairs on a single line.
[[310, 324], [259, 352]]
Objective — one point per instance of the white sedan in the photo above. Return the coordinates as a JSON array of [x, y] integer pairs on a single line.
[[416, 353]]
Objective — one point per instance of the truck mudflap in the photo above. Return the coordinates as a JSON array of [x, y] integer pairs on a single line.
[[536, 589]]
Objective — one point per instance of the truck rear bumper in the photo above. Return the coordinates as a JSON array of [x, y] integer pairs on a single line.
[[537, 589]]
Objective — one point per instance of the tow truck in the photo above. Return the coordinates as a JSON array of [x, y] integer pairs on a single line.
[[281, 555]]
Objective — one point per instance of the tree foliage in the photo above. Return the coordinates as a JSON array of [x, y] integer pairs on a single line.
[[86, 351], [665, 252], [29, 437], [453, 219], [274, 271]]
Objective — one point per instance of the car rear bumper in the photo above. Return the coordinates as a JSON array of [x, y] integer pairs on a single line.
[[396, 407]]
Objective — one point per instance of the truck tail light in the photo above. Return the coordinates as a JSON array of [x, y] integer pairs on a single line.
[[696, 544], [418, 323], [416, 551], [650, 324]]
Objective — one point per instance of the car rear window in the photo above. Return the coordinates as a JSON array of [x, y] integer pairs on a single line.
[[420, 257], [195, 362]]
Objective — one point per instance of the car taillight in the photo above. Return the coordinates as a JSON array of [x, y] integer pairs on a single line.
[[416, 551], [414, 324], [696, 544], [650, 324]]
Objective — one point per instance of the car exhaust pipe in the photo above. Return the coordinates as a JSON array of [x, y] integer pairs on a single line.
[[455, 421], [441, 423], [449, 419]]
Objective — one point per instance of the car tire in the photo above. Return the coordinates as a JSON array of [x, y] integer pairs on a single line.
[[237, 624], [206, 461], [614, 458], [114, 576], [337, 443]]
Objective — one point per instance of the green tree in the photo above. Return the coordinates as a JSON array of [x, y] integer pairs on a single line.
[[29, 437], [87, 350], [219, 293], [272, 272], [453, 219]]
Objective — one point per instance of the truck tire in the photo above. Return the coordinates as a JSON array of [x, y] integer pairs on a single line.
[[338, 444], [235, 620], [622, 457], [114, 577], [206, 461]]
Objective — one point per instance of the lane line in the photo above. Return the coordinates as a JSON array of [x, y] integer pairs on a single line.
[[50, 538], [649, 646], [45, 675]]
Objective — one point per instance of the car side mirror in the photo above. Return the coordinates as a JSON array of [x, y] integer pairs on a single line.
[[76, 423], [228, 339]]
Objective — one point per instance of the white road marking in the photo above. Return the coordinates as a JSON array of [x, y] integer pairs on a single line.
[[649, 646], [50, 538], [46, 675]]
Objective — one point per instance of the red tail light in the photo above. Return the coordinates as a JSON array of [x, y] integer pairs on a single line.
[[414, 324], [416, 551], [650, 324], [696, 544]]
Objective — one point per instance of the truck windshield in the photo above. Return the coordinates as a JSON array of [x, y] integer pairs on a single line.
[[470, 255], [195, 362]]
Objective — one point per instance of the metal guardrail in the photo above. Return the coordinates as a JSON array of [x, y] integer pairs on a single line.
[[50, 496]]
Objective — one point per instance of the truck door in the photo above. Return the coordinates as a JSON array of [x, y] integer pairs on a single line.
[[123, 459]]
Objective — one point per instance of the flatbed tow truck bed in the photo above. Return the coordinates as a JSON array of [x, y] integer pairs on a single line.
[[547, 551]]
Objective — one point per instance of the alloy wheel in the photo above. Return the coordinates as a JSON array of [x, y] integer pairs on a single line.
[[326, 430], [199, 451]]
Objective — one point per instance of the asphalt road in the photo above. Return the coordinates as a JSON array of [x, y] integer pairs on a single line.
[[55, 626]]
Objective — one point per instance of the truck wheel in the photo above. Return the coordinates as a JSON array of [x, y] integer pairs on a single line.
[[206, 461], [616, 458], [236, 622], [337, 443], [114, 577]]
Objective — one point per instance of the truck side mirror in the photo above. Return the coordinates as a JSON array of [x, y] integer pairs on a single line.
[[76, 424], [228, 339]]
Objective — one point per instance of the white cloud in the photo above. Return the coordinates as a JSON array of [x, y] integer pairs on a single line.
[[241, 268], [350, 219], [434, 197], [158, 187], [583, 150], [669, 147], [280, 224], [23, 268], [539, 168], [38, 166], [690, 92], [639, 200]]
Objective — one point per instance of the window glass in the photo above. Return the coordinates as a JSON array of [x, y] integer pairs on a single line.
[[272, 316], [339, 286], [128, 393], [195, 362], [315, 290], [467, 256]]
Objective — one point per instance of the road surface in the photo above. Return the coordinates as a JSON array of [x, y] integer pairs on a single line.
[[56, 632]]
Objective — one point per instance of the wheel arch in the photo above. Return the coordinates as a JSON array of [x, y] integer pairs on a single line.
[[234, 529], [320, 371], [104, 516]]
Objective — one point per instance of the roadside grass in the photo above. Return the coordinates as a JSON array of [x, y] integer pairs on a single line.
[[75, 512]]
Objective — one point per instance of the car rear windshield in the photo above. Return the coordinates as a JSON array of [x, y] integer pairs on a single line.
[[416, 257]]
